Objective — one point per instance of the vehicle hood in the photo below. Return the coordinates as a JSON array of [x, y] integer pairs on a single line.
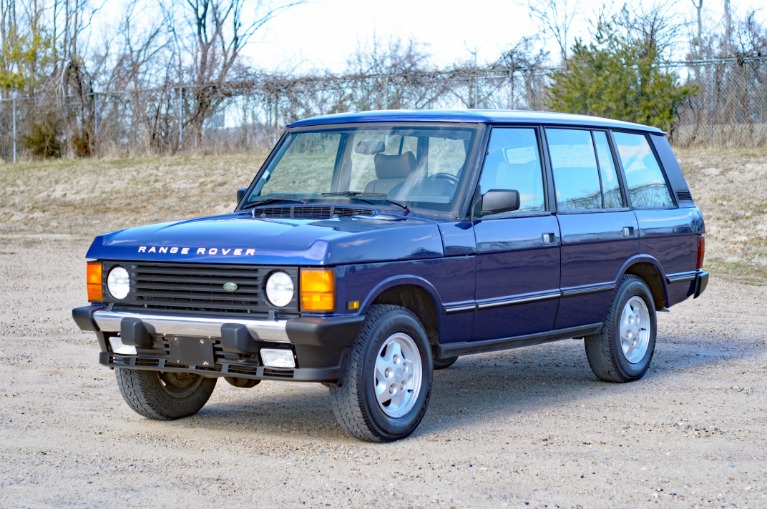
[[241, 238]]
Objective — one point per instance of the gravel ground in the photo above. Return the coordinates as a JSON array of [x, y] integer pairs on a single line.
[[524, 428]]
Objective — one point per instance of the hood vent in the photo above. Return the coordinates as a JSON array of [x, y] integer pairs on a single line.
[[318, 212]]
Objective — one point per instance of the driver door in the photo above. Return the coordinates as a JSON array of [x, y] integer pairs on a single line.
[[518, 253]]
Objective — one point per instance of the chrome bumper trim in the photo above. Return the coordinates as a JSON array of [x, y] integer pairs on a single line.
[[262, 330]]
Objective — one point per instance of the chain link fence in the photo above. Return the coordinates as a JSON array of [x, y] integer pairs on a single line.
[[729, 109], [730, 106]]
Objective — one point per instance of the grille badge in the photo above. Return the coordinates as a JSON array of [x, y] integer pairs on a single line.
[[230, 287]]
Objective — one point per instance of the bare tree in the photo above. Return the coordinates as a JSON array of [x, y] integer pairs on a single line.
[[697, 43], [727, 39], [557, 17], [208, 37], [392, 75], [525, 63]]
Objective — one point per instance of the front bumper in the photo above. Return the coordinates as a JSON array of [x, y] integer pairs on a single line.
[[220, 346], [193, 326]]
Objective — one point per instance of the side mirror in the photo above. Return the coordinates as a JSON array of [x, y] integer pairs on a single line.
[[496, 201], [241, 193]]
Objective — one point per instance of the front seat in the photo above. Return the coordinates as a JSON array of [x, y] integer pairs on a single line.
[[390, 171]]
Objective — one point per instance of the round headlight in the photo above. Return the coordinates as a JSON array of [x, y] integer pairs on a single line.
[[118, 283], [279, 289]]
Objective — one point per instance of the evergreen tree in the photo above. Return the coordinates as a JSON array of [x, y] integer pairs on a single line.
[[620, 76]]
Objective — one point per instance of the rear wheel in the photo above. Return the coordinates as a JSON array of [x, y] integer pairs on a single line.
[[444, 363], [386, 384], [164, 395], [623, 350]]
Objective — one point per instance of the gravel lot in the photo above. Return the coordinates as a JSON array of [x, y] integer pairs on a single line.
[[524, 428]]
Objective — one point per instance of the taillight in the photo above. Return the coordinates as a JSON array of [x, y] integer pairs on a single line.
[[93, 281], [701, 250]]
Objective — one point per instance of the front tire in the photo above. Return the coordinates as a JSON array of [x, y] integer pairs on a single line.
[[385, 388], [164, 395], [623, 350]]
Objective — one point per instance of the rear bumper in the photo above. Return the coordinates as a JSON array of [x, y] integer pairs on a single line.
[[318, 343], [700, 284]]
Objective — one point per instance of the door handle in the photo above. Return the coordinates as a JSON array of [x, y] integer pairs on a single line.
[[628, 231], [548, 238]]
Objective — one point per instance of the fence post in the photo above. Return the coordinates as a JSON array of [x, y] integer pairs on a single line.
[[94, 139], [511, 88], [14, 126], [179, 112]]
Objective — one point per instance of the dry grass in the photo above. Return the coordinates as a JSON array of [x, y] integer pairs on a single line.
[[88, 197], [730, 187]]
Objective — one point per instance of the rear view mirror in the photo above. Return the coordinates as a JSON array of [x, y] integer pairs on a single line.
[[496, 201], [369, 147]]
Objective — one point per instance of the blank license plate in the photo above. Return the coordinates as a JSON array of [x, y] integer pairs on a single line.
[[192, 352]]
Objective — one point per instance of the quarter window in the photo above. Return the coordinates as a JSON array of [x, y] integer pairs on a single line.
[[647, 186], [513, 162]]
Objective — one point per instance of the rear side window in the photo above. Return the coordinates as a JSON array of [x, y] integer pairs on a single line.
[[647, 186], [576, 174], [611, 189]]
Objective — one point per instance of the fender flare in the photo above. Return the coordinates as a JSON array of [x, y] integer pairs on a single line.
[[649, 260]]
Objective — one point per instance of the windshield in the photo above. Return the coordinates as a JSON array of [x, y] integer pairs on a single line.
[[414, 166]]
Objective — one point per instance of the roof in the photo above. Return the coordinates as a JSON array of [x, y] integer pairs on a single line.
[[471, 116]]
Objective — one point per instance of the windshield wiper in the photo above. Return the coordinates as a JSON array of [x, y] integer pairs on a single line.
[[268, 201], [359, 196]]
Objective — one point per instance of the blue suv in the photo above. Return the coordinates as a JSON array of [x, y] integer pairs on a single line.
[[372, 248]]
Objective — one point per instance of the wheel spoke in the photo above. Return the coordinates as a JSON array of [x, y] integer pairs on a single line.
[[407, 372], [396, 352], [382, 393], [398, 398], [628, 348]]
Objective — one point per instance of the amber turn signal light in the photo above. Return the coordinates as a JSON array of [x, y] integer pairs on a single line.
[[317, 289], [94, 282]]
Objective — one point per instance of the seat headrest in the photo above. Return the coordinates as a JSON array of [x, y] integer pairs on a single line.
[[394, 166]]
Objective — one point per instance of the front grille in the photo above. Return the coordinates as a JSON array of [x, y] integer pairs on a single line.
[[317, 212], [199, 288]]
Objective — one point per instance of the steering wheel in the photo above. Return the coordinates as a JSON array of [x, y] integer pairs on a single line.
[[445, 176]]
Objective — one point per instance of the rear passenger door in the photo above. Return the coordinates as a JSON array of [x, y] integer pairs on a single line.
[[599, 231], [517, 262]]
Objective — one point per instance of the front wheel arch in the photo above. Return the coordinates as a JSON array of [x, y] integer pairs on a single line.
[[419, 301]]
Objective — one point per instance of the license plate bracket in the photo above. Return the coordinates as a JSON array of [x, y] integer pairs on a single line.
[[196, 352]]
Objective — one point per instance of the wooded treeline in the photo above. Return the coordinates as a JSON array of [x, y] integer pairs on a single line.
[[174, 76]]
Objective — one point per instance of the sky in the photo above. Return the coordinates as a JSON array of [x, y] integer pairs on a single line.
[[323, 34]]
